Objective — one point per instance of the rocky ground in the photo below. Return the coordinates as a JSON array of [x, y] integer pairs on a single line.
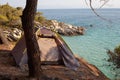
[[67, 29], [13, 34], [11, 24], [9, 71]]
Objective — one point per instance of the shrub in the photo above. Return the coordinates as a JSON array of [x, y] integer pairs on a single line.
[[114, 56], [19, 8], [10, 16], [3, 18], [117, 50]]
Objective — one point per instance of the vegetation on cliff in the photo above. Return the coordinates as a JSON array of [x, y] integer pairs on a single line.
[[9, 14], [10, 17], [114, 56]]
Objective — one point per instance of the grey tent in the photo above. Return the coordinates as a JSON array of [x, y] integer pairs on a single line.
[[53, 50]]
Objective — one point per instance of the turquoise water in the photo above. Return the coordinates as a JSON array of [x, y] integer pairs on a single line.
[[103, 35]]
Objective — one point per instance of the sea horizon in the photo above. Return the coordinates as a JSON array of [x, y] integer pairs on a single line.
[[74, 8]]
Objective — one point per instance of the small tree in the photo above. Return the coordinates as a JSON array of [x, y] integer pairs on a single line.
[[33, 51]]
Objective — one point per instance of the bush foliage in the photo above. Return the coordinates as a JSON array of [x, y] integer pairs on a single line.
[[10, 16], [114, 56], [117, 50]]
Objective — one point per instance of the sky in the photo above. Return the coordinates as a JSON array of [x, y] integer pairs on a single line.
[[63, 4]]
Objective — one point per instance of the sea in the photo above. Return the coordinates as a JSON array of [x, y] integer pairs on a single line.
[[100, 35]]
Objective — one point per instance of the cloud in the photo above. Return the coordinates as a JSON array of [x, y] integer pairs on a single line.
[[61, 3], [14, 3]]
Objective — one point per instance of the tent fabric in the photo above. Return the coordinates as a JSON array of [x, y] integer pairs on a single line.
[[50, 51], [19, 52], [53, 49], [67, 55]]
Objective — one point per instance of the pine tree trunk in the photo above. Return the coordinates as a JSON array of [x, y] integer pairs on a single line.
[[33, 51]]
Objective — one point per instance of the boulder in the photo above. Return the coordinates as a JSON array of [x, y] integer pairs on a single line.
[[13, 35], [67, 29]]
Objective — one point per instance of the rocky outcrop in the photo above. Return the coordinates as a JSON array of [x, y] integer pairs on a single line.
[[13, 35], [67, 29], [62, 28], [10, 17]]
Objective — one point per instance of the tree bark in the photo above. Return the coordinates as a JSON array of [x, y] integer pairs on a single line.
[[33, 51]]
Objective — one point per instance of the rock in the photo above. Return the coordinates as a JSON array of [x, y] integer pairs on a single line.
[[63, 28], [67, 29], [80, 30], [13, 35], [55, 24], [60, 31], [17, 33]]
